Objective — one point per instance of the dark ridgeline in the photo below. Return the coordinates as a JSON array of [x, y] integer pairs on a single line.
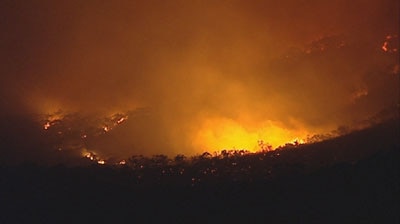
[[350, 179]]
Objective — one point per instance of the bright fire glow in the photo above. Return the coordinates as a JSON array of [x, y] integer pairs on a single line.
[[89, 155], [122, 119], [219, 134], [390, 45], [385, 46], [51, 118], [46, 126], [93, 157]]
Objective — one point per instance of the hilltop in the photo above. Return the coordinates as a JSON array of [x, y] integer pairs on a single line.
[[353, 177]]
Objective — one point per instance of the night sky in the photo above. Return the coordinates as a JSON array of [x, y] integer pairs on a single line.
[[194, 76]]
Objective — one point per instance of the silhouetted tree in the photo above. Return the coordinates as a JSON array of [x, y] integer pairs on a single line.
[[159, 160], [138, 161], [179, 159], [206, 155]]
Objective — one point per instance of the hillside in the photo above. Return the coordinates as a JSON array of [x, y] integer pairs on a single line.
[[353, 178]]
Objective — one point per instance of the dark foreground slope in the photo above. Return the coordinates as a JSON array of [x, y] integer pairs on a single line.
[[351, 179]]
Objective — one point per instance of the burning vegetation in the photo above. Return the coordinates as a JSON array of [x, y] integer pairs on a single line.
[[294, 158], [75, 132], [356, 175], [391, 44], [112, 138]]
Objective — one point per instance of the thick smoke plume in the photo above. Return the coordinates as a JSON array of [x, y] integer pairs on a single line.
[[192, 75]]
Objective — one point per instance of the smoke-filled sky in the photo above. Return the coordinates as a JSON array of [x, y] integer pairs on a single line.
[[196, 75]]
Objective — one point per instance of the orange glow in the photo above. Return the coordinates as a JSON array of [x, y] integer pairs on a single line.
[[385, 46], [89, 155], [359, 93], [51, 118], [46, 126], [122, 119], [298, 141], [222, 133], [101, 162], [391, 44]]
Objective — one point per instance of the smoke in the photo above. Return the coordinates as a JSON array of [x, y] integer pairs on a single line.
[[196, 73]]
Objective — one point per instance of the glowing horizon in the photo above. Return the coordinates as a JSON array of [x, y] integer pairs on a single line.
[[185, 77]]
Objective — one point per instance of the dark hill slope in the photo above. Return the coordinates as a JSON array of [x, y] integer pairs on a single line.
[[350, 179]]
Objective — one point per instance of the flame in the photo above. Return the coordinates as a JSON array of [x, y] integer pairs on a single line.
[[391, 43], [90, 155], [222, 133], [51, 118], [385, 46], [93, 157], [46, 125], [298, 141], [122, 119]]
